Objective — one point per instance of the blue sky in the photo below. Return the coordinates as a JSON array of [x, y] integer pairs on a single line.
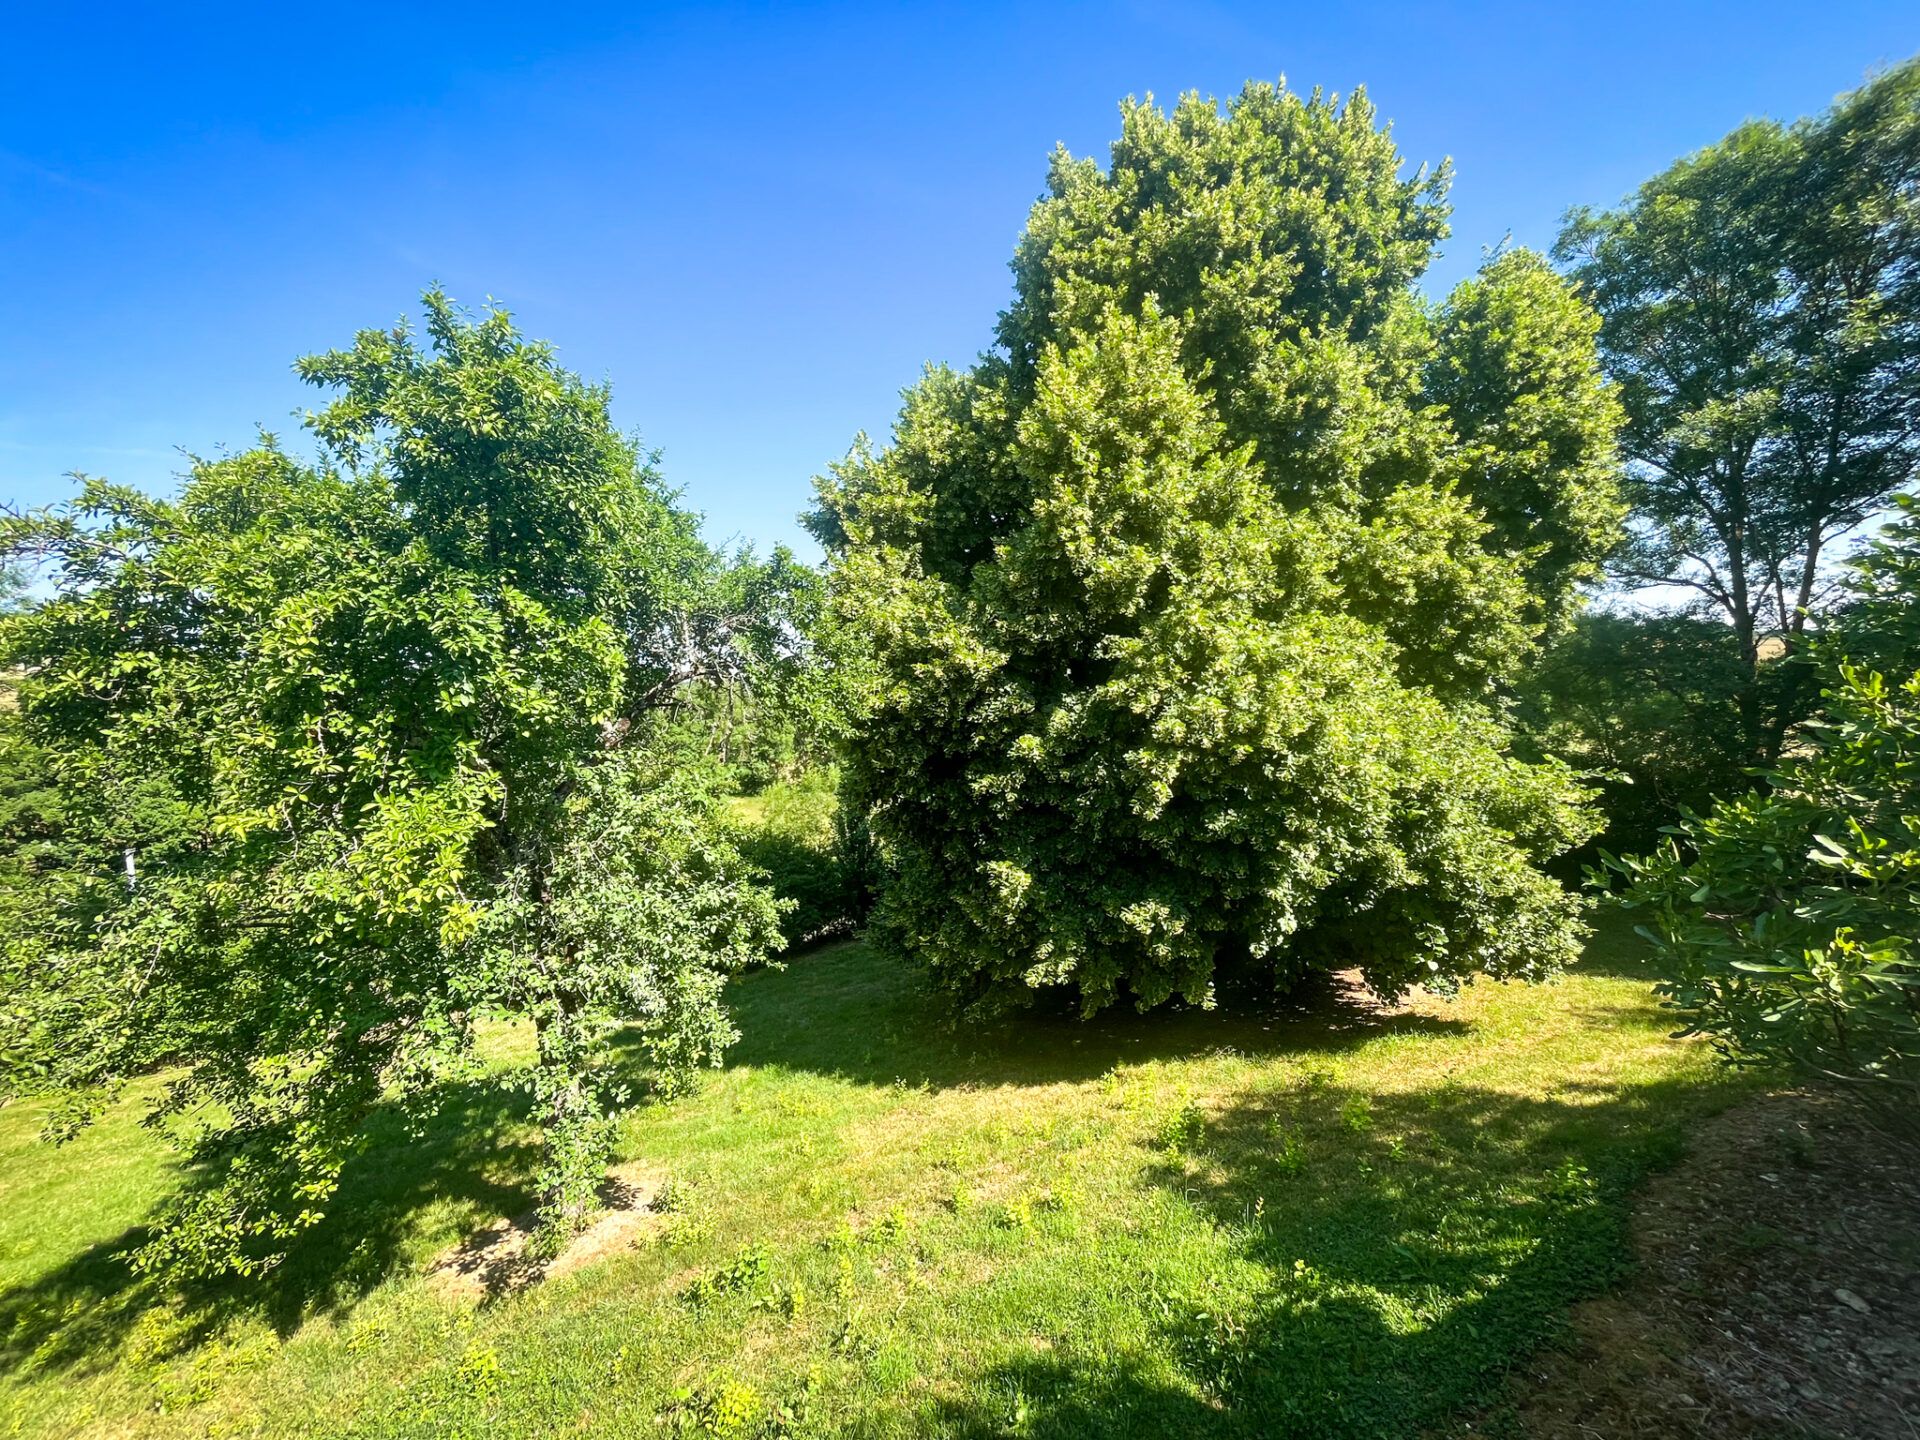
[[757, 222]]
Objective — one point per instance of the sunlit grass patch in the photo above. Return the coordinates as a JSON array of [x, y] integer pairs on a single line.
[[1331, 1221]]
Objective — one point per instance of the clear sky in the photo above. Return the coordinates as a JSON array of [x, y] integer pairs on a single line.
[[756, 222]]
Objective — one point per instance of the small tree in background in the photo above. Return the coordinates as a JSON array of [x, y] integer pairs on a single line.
[[1651, 706], [411, 704], [35, 830], [1791, 917], [1183, 616]]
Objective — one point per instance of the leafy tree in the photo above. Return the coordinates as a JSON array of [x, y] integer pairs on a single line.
[[33, 820], [33, 813], [35, 841], [1181, 619], [1516, 375], [411, 704], [1791, 917], [762, 734], [1650, 706], [1879, 622], [71, 849], [1760, 305]]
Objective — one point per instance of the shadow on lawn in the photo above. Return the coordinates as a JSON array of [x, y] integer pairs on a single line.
[[1416, 1246], [886, 1027], [837, 1011], [81, 1314], [1615, 950], [1442, 1233], [841, 1012]]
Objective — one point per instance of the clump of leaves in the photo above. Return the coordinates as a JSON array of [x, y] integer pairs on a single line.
[[677, 1195], [480, 1374], [1213, 1343], [736, 1277], [893, 1225], [1573, 1183], [1062, 1197], [792, 1301], [850, 1337], [721, 1408], [684, 1228], [1288, 1153], [1180, 1132]]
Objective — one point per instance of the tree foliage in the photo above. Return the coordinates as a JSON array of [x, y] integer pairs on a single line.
[[1183, 616], [409, 704], [1791, 917], [34, 826], [1760, 305], [1649, 705]]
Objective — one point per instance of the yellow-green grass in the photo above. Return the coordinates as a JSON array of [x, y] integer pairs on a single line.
[[1324, 1222], [747, 810]]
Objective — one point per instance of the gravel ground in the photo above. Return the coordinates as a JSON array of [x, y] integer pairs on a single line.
[[1778, 1294]]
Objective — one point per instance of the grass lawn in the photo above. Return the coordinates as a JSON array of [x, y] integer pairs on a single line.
[[1323, 1222]]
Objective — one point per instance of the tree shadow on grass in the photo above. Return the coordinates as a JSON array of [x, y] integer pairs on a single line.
[[840, 1011], [847, 1013], [1615, 950], [1415, 1246], [82, 1314]]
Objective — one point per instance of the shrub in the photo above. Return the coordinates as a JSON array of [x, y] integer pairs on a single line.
[[1791, 918]]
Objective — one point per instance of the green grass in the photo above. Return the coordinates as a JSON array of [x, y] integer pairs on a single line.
[[1318, 1222], [748, 810]]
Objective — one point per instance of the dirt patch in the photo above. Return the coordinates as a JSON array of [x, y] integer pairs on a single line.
[[496, 1259], [1778, 1294]]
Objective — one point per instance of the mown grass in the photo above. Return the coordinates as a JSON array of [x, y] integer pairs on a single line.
[[1325, 1221]]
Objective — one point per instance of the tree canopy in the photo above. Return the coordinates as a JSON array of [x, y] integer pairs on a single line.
[[1760, 305], [1649, 705], [408, 702], [1187, 613]]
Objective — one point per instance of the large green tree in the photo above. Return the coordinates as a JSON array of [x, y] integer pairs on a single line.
[[411, 704], [1760, 305], [1184, 616]]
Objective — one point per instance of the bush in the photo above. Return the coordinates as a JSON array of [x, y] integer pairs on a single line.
[[1791, 918], [1792, 930]]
